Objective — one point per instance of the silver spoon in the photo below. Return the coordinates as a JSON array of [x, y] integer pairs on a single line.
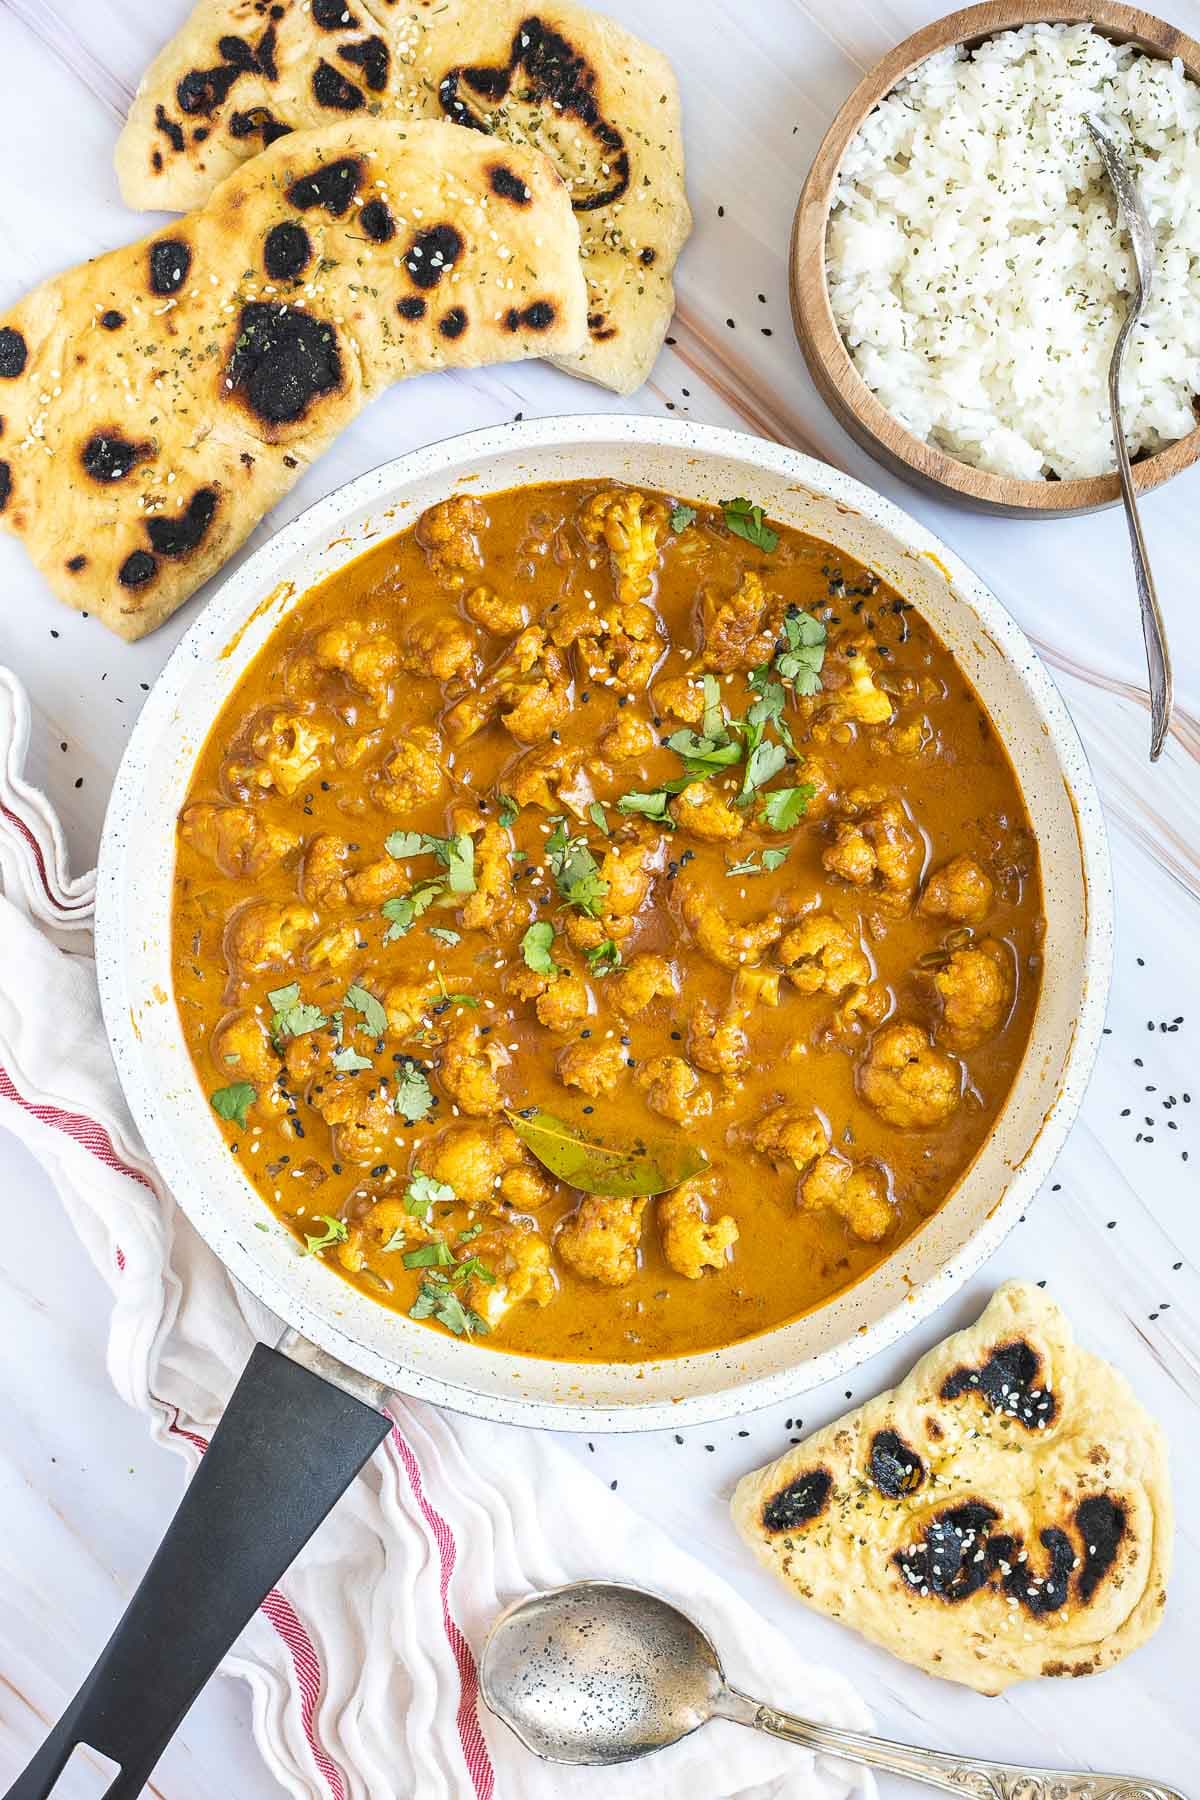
[[1141, 238], [602, 1673]]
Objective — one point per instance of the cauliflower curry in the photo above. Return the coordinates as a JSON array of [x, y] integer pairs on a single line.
[[678, 826]]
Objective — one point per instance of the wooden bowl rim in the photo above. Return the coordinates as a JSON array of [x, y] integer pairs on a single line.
[[829, 361]]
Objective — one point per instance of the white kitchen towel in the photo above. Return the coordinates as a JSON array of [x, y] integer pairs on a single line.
[[362, 1664]]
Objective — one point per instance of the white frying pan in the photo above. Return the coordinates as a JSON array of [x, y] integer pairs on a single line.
[[302, 1422]]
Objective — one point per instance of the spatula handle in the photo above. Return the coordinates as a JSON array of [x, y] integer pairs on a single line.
[[288, 1446]]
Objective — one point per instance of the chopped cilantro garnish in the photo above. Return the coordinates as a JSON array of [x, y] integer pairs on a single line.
[[336, 1232], [414, 1096], [785, 807], [603, 958], [436, 1255], [403, 912], [682, 516], [596, 815], [713, 726], [347, 1060], [365, 1003], [800, 662], [771, 860], [508, 809], [775, 859], [650, 806], [425, 1191], [536, 946], [435, 1300], [291, 1017], [456, 854], [762, 762], [232, 1102], [749, 522], [444, 933], [576, 871], [702, 755]]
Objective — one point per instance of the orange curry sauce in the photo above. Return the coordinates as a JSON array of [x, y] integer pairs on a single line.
[[817, 962]]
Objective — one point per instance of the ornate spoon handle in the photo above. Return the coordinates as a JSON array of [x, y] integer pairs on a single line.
[[955, 1774]]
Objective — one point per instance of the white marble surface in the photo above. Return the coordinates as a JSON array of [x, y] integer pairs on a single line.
[[83, 1497]]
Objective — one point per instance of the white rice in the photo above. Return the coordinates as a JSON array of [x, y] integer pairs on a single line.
[[976, 271]]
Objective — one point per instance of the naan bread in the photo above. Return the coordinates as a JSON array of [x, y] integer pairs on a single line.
[[1005, 1512], [601, 104], [158, 400]]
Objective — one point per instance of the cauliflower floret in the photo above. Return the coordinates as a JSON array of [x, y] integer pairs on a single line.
[[631, 526], [959, 891], [239, 840], [673, 1089], [492, 902], [485, 1165], [263, 934], [822, 956], [857, 1191], [594, 1067], [619, 645], [741, 629], [683, 697], [704, 811], [789, 1134], [628, 736], [360, 1113], [332, 948], [909, 1083], [755, 987], [717, 1044], [647, 978], [379, 881], [860, 699], [584, 933], [323, 871], [467, 1068], [448, 534], [691, 1242], [408, 1005], [495, 613], [388, 1224], [876, 845], [439, 647], [861, 1010], [242, 1044], [544, 778], [561, 1001], [628, 869], [600, 1238], [976, 990], [284, 753], [518, 1257], [528, 689], [365, 654], [411, 775], [721, 941]]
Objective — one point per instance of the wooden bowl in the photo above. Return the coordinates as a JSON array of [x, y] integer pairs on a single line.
[[838, 381]]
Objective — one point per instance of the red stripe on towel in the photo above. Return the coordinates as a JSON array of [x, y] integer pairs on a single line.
[[470, 1735], [31, 840]]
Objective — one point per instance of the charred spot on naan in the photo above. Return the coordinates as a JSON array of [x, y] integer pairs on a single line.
[[431, 253], [453, 323], [281, 361], [5, 484], [173, 535], [558, 77], [108, 455], [539, 315], [1010, 1382], [895, 1467], [799, 1503], [287, 251], [509, 186], [333, 15], [373, 57], [961, 1552], [331, 89], [411, 307], [14, 352], [333, 186], [377, 221], [258, 120], [202, 91], [170, 260]]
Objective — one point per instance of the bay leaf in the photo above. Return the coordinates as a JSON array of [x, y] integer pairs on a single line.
[[621, 1171]]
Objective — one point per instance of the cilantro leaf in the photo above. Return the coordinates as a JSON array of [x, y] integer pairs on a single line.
[[576, 871], [596, 815], [508, 809], [436, 1255], [800, 662], [775, 859], [348, 1060], [650, 806], [284, 998], [535, 947], [749, 522], [444, 933], [403, 912], [460, 862], [701, 755], [414, 1096], [785, 807], [749, 866], [424, 1192], [365, 1002], [435, 1301], [603, 958], [336, 1232], [763, 762], [233, 1101], [682, 516], [408, 843], [291, 1017], [713, 725]]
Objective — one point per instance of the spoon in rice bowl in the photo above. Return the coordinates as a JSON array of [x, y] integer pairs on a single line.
[[1141, 238]]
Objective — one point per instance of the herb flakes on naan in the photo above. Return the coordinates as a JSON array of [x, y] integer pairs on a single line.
[[1005, 1512], [602, 105]]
